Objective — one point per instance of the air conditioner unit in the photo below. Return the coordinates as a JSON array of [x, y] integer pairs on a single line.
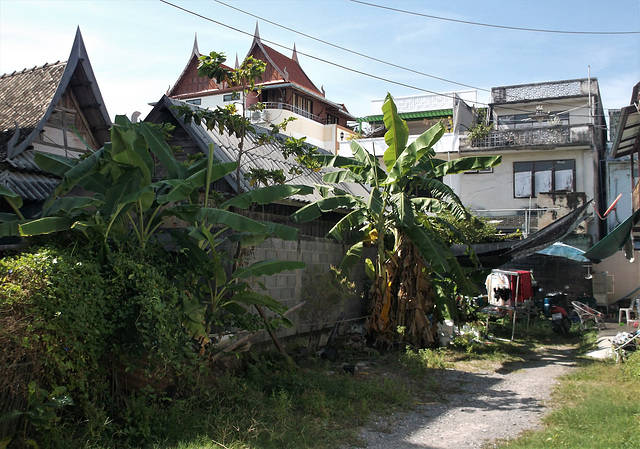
[[255, 116], [264, 116]]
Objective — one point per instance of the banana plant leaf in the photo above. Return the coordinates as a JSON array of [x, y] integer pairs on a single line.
[[12, 198], [54, 163], [353, 220], [237, 222], [71, 205], [266, 195], [11, 228], [397, 132], [315, 210], [267, 268], [46, 225], [442, 168], [339, 176], [352, 257], [403, 209], [431, 249], [161, 149]]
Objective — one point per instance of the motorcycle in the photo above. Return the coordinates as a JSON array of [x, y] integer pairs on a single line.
[[560, 322]]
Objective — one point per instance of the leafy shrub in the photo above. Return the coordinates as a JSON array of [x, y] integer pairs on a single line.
[[54, 325], [631, 366], [65, 318]]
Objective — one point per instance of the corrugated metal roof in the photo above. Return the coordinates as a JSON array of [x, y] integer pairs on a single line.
[[628, 132], [411, 115], [268, 157]]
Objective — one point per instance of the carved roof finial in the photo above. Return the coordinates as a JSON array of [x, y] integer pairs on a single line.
[[256, 35], [294, 56], [195, 50]]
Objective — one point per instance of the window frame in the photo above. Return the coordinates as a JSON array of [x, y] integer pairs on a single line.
[[555, 167]]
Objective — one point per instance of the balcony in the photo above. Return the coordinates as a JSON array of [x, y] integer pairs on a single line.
[[294, 109], [550, 136]]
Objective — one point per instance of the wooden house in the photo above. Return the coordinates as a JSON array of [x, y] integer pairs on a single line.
[[285, 90], [53, 108]]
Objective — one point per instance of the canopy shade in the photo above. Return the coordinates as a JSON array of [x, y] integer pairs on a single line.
[[494, 255], [614, 241], [568, 252]]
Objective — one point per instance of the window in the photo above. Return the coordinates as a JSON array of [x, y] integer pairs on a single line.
[[302, 105], [331, 119], [531, 178], [197, 101], [231, 97]]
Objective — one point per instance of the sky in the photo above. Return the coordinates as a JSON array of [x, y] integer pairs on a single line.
[[138, 48]]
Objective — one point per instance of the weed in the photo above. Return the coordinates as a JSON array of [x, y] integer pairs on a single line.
[[419, 362]]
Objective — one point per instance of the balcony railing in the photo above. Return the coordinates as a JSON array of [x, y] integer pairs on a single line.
[[294, 109], [554, 136]]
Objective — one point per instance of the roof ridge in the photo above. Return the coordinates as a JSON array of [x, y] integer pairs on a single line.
[[33, 69]]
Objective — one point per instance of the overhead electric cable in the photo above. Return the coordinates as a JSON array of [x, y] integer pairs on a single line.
[[359, 72], [351, 51], [505, 27], [478, 103]]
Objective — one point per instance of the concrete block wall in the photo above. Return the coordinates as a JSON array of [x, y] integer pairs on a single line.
[[319, 254]]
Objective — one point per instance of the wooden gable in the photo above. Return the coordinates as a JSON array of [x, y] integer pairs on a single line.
[[189, 83]]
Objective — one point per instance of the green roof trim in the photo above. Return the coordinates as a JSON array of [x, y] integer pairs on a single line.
[[438, 113]]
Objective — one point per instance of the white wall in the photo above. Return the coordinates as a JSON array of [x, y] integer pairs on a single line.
[[626, 275]]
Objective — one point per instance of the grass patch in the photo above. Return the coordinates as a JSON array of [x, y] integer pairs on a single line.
[[271, 405], [596, 406]]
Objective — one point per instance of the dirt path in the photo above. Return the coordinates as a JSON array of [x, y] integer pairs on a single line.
[[476, 407]]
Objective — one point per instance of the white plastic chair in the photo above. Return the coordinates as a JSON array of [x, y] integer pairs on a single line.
[[633, 309]]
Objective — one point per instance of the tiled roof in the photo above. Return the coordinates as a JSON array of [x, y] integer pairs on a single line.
[[267, 156], [24, 99], [291, 67], [30, 186]]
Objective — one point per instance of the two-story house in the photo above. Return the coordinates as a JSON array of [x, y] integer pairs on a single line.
[[551, 136], [285, 91]]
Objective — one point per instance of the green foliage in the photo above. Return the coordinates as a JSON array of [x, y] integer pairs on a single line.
[[419, 362], [405, 203], [245, 79], [59, 306], [480, 130], [631, 366]]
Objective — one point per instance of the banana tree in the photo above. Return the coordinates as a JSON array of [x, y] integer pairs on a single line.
[[404, 198], [122, 203]]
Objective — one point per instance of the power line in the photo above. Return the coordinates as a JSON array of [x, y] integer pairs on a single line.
[[387, 80], [351, 51], [505, 27], [359, 72]]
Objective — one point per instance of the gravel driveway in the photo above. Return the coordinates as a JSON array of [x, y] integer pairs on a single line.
[[476, 407]]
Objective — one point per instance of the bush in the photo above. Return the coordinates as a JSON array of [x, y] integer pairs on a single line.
[[54, 326], [74, 321], [631, 366]]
